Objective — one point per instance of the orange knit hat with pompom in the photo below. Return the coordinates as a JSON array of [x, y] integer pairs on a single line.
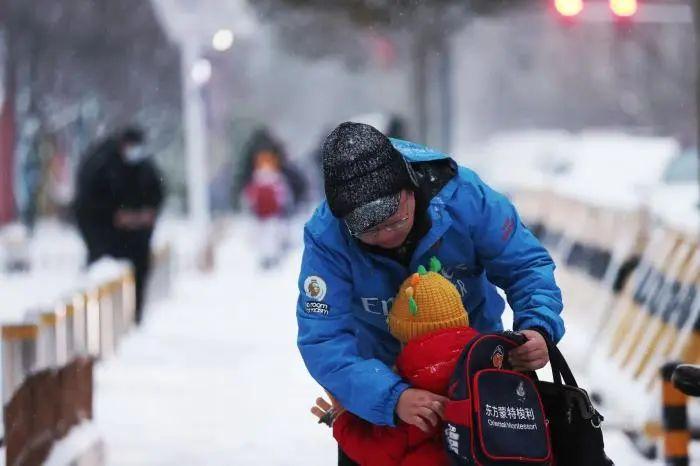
[[426, 302]]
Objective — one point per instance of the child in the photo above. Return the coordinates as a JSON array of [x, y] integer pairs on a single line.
[[268, 197], [430, 321]]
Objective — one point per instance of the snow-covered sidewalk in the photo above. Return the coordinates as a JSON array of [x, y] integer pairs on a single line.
[[214, 376]]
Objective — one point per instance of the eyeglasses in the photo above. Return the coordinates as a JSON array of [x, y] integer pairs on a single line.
[[398, 225]]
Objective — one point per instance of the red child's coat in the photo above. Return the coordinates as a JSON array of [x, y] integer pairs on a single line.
[[426, 362]]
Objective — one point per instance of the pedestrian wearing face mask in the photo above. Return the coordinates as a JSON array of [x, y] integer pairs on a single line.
[[119, 195]]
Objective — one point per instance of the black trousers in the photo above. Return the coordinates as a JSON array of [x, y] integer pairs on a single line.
[[141, 268], [343, 459]]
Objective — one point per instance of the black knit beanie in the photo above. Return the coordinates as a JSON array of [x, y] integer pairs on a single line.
[[363, 175]]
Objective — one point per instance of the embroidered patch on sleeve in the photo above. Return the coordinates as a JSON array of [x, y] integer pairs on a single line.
[[315, 288]]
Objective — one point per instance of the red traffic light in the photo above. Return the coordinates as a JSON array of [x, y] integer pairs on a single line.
[[569, 8], [623, 8]]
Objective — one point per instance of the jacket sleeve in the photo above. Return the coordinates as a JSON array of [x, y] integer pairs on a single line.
[[368, 444], [327, 341], [516, 262]]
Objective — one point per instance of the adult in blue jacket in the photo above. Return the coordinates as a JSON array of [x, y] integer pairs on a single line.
[[390, 206]]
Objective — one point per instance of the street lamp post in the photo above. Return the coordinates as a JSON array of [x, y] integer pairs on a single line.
[[192, 25], [195, 138]]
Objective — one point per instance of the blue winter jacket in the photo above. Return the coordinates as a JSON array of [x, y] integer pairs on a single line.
[[346, 292]]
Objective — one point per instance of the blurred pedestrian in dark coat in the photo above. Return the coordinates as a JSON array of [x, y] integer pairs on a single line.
[[119, 196]]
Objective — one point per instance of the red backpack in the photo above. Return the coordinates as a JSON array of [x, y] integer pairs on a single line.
[[265, 199]]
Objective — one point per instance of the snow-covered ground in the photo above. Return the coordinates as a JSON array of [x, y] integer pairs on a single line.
[[214, 376]]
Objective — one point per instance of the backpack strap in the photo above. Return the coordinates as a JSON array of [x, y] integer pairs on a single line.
[[458, 412]]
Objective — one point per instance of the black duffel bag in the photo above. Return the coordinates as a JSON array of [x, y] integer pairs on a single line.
[[574, 424]]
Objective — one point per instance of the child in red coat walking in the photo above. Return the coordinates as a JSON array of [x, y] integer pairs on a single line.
[[429, 319], [268, 198]]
